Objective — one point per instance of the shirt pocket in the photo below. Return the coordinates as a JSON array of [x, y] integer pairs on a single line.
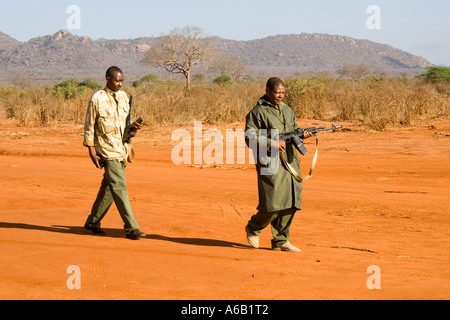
[[106, 121], [125, 112]]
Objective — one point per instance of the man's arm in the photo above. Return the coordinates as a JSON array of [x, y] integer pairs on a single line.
[[89, 133], [89, 124]]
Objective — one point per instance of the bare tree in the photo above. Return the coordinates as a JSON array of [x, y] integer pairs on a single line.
[[356, 72], [180, 51], [228, 65]]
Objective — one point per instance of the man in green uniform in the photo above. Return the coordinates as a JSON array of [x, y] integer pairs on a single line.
[[280, 193], [103, 135]]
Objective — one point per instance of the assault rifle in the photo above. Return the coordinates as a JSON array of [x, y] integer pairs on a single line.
[[296, 137], [130, 132]]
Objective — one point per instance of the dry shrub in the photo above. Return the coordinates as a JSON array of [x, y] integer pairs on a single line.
[[39, 106], [307, 97], [373, 102], [377, 103], [17, 104], [343, 97], [211, 104]]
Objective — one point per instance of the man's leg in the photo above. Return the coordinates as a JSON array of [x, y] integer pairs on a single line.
[[260, 221], [101, 206], [115, 174], [281, 226], [256, 224]]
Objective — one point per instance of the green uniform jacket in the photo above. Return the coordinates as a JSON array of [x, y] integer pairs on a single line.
[[277, 188]]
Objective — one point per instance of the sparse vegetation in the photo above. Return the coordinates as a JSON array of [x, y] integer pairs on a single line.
[[372, 102]]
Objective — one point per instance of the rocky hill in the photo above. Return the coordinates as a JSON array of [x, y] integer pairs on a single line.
[[7, 42], [320, 52], [66, 54]]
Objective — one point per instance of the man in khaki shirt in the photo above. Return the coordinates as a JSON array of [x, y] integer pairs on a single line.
[[103, 135]]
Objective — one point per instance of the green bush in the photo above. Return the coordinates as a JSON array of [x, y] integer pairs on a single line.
[[71, 88], [436, 74], [222, 79], [90, 83]]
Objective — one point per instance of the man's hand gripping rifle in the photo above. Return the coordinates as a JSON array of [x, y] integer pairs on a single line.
[[296, 138]]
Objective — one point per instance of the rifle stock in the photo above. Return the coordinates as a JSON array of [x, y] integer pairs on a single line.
[[129, 132]]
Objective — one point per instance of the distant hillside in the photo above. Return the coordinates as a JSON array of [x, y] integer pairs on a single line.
[[7, 42], [319, 52], [65, 54]]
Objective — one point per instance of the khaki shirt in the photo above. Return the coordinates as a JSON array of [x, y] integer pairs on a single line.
[[105, 124], [277, 188]]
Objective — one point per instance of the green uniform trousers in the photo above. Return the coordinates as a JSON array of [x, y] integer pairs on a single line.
[[113, 189], [280, 222]]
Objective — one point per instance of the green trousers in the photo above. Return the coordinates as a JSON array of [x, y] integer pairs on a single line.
[[280, 222], [113, 189]]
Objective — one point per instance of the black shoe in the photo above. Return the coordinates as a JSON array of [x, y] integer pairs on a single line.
[[97, 230], [135, 234]]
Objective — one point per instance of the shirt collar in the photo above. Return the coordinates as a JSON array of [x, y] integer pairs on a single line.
[[109, 91], [265, 101]]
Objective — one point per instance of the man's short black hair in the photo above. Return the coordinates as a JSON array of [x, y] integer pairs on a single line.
[[274, 82], [112, 70]]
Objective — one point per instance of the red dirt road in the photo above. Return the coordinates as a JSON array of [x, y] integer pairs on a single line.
[[376, 199]]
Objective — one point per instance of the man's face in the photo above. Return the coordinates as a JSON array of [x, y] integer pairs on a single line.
[[276, 95], [115, 81]]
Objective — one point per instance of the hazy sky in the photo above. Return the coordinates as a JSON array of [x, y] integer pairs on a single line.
[[416, 26]]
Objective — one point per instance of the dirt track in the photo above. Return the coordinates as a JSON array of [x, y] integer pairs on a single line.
[[376, 198]]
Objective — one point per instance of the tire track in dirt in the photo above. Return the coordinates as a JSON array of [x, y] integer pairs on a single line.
[[108, 276], [298, 285], [228, 206], [122, 271], [288, 279], [97, 275]]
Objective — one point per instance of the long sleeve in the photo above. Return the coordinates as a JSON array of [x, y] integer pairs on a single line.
[[89, 130], [255, 134]]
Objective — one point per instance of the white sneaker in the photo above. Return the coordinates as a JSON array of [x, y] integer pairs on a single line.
[[287, 247], [252, 239]]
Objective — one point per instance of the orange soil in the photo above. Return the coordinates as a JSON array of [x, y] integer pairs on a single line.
[[376, 198]]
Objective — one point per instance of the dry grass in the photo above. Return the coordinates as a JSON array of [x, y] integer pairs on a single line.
[[374, 103], [211, 104], [394, 101], [39, 106]]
